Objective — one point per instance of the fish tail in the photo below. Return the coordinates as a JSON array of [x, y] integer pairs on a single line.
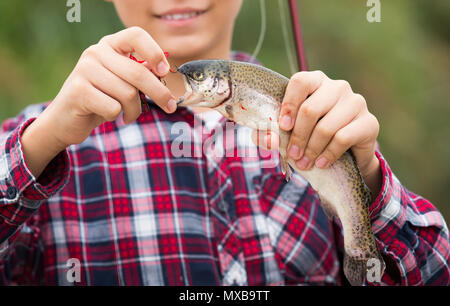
[[357, 269]]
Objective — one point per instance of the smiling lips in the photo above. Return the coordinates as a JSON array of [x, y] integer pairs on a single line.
[[180, 16], [183, 14]]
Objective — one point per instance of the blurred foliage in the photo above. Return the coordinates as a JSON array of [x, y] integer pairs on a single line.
[[401, 66]]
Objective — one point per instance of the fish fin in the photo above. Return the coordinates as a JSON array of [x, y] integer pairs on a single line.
[[327, 208], [285, 168], [284, 140]]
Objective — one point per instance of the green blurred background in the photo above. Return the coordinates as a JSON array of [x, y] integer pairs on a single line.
[[401, 66]]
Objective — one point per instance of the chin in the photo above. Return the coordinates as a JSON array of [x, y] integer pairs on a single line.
[[185, 47]]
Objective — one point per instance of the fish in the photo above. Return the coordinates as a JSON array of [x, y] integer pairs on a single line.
[[251, 95]]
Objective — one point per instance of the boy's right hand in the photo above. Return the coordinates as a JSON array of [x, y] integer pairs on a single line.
[[104, 83]]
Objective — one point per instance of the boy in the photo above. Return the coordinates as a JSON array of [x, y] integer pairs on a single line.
[[77, 182]]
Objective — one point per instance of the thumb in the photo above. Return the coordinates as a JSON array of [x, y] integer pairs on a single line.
[[267, 140]]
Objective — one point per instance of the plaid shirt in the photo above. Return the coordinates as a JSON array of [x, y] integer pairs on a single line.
[[132, 213]]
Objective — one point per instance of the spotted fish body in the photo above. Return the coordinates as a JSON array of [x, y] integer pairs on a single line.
[[251, 95]]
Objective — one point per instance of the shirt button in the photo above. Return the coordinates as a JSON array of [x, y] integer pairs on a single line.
[[11, 192]]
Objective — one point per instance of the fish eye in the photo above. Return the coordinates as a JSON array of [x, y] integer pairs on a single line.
[[198, 75]]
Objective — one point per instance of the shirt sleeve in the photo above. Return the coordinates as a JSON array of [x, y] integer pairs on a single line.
[[20, 192], [410, 233]]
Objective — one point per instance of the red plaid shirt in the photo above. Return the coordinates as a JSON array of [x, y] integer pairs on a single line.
[[134, 214]]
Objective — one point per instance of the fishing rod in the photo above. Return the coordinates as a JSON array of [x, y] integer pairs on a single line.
[[297, 33]]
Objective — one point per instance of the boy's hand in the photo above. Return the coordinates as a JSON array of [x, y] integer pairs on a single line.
[[104, 83], [327, 118]]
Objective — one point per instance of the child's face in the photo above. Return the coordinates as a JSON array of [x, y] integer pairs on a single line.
[[185, 28]]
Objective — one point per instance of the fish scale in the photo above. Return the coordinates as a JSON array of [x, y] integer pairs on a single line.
[[251, 95]]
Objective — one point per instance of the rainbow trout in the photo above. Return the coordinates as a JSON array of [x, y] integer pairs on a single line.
[[251, 95]]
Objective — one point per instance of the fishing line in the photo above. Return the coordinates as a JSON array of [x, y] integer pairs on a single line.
[[286, 40], [262, 33]]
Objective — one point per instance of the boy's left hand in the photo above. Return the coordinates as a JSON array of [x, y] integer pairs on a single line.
[[327, 118]]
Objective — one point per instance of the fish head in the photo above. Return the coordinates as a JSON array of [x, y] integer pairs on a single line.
[[207, 83]]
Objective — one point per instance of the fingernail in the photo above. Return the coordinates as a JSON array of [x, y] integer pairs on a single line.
[[285, 122], [171, 105], [303, 163], [321, 162], [162, 68], [294, 152]]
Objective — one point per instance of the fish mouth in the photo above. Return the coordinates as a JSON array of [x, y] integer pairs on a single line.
[[211, 93], [190, 97]]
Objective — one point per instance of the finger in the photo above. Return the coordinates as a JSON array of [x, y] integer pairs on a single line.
[[361, 130], [101, 104], [339, 116], [113, 86], [300, 86], [138, 76], [267, 140], [317, 105], [135, 39]]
